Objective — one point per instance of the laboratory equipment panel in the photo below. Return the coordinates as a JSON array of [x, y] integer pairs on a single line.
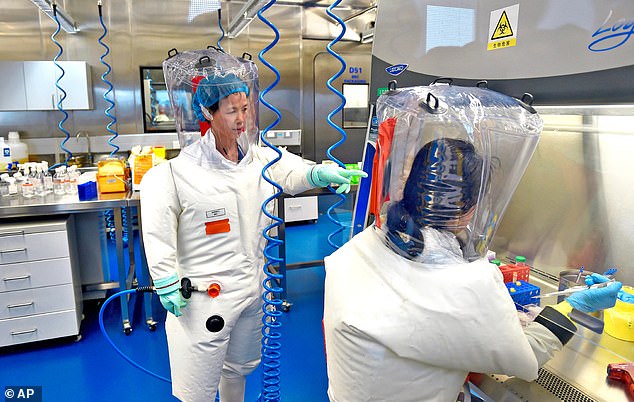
[[40, 289]]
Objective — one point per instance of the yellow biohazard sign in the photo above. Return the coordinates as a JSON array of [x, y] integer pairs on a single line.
[[503, 27]]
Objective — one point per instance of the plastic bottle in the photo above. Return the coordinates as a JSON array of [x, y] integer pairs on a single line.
[[58, 181], [19, 149], [70, 186], [19, 178], [13, 188], [4, 185], [27, 188], [38, 180], [47, 178], [5, 155], [520, 262]]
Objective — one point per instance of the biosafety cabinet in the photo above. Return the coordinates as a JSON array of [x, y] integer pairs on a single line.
[[574, 205], [40, 290]]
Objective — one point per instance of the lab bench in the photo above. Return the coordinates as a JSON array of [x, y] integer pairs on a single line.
[[90, 263]]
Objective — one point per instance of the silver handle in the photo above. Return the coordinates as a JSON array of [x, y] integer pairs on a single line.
[[18, 233], [28, 331], [15, 250], [20, 305], [17, 278], [294, 206], [53, 100]]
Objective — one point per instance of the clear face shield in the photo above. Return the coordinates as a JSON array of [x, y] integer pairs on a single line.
[[211, 89], [449, 159]]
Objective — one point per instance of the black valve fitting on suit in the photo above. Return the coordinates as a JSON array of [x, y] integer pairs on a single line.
[[186, 288], [215, 323]]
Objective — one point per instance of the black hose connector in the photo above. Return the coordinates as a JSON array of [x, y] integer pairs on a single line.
[[186, 288]]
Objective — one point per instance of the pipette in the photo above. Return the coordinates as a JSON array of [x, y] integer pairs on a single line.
[[574, 289]]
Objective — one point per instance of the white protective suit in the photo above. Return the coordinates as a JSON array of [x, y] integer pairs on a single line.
[[202, 218], [401, 330]]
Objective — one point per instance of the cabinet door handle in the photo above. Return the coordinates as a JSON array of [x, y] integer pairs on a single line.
[[17, 278], [20, 305], [28, 331], [53, 100], [15, 250], [294, 206]]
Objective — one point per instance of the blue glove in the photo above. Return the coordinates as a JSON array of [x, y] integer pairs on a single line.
[[625, 297], [324, 175], [595, 299], [168, 290]]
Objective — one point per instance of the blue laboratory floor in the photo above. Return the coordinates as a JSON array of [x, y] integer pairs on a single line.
[[91, 370]]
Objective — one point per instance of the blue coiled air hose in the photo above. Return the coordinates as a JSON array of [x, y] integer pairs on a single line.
[[68, 153], [271, 335], [342, 198], [113, 119], [222, 31]]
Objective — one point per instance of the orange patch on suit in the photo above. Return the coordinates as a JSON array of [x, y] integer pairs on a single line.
[[215, 227]]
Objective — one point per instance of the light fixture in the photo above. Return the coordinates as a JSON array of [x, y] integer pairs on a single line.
[[244, 17], [198, 7], [65, 21]]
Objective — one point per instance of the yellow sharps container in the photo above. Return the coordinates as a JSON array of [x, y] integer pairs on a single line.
[[619, 320]]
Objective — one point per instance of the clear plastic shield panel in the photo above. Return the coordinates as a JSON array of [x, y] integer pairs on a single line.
[[449, 159], [198, 80]]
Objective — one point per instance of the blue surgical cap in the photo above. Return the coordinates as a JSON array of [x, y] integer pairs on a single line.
[[211, 90]]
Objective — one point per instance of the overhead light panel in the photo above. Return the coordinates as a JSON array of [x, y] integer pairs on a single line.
[[244, 17], [65, 21], [198, 7]]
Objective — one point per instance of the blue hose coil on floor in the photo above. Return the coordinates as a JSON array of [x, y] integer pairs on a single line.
[[59, 105], [271, 335], [342, 198], [113, 119]]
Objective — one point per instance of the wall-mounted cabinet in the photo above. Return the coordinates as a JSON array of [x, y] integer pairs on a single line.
[[12, 93], [32, 85]]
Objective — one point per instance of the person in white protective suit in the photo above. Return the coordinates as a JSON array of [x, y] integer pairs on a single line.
[[202, 220], [412, 305]]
